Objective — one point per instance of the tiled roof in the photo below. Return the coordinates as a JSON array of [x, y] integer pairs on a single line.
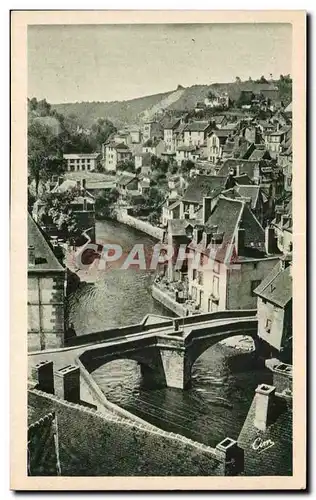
[[186, 148], [277, 459], [222, 132], [227, 214], [44, 256], [246, 166], [177, 227], [197, 126], [277, 286], [258, 154], [81, 155], [218, 119], [243, 180], [125, 179], [170, 125], [204, 185], [249, 192]]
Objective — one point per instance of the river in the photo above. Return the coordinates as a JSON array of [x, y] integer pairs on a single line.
[[223, 381]]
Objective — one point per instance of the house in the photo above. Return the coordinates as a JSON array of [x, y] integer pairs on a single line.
[[253, 196], [135, 134], [46, 279], [288, 110], [273, 141], [126, 182], [169, 134], [219, 121], [216, 100], [143, 185], [285, 159], [191, 153], [201, 186], [215, 144], [115, 154], [259, 153], [170, 210], [142, 159], [83, 162], [122, 137], [151, 129], [275, 309], [282, 225], [154, 146], [231, 255], [179, 232], [195, 133], [199, 107]]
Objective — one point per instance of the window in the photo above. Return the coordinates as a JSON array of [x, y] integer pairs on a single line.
[[254, 285], [83, 160], [200, 278], [268, 325], [215, 286], [194, 274], [216, 267]]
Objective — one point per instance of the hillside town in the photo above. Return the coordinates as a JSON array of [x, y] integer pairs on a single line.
[[214, 184]]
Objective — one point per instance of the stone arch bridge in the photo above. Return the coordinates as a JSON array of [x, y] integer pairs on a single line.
[[166, 351]]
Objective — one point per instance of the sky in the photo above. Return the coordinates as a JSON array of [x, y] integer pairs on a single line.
[[118, 62]]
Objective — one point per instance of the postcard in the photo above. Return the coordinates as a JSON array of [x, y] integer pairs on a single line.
[[158, 250]]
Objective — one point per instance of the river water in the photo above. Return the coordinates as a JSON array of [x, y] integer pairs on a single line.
[[223, 380]]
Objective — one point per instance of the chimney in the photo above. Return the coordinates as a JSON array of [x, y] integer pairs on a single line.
[[286, 261], [43, 375], [79, 184], [231, 455], [60, 181], [67, 383], [241, 241], [186, 215], [175, 325], [270, 240], [207, 208], [31, 255], [83, 183], [264, 402]]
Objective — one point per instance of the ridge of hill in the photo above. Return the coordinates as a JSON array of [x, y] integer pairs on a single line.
[[118, 112], [182, 99]]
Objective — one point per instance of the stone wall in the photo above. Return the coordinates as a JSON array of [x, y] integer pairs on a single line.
[[46, 310], [92, 444], [167, 301], [140, 225]]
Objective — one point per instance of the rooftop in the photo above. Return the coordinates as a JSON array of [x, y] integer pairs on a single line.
[[204, 185], [277, 286], [197, 126], [45, 258], [81, 155]]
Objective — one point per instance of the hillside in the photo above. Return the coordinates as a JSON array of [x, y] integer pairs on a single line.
[[118, 112], [181, 99]]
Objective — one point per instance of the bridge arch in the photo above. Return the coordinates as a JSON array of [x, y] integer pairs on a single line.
[[148, 357], [202, 340]]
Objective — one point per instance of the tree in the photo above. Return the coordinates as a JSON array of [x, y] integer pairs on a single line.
[[186, 166], [101, 131], [238, 80], [45, 156], [105, 202], [127, 166], [58, 211]]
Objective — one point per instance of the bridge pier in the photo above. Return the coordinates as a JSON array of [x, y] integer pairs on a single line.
[[173, 365]]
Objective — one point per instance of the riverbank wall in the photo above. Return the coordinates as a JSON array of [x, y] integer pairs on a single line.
[[168, 302], [141, 225]]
